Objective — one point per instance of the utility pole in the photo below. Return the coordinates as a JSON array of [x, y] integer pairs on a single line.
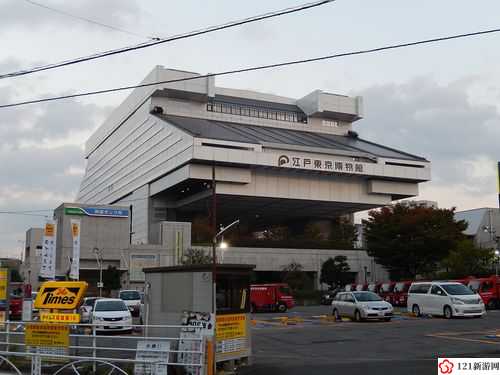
[[99, 263]]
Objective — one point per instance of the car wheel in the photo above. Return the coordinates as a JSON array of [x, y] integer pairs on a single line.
[[415, 310], [282, 308], [448, 312], [357, 316], [336, 314]]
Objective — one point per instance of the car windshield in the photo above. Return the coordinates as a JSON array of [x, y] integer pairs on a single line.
[[89, 301], [285, 290], [400, 287], [130, 295], [457, 289], [110, 306], [386, 287], [474, 285], [366, 297]]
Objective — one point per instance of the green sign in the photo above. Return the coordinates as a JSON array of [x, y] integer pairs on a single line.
[[74, 211]]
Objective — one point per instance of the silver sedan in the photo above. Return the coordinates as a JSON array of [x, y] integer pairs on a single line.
[[361, 306]]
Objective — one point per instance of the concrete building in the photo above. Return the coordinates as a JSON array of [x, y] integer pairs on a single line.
[[104, 235], [276, 160], [483, 226], [33, 248]]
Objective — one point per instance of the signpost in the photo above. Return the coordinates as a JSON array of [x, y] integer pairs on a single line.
[[152, 351], [60, 295], [59, 318], [43, 334], [232, 336]]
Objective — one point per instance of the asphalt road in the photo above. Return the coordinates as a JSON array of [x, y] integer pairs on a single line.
[[405, 345]]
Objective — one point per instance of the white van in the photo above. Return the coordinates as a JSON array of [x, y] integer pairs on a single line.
[[448, 299]]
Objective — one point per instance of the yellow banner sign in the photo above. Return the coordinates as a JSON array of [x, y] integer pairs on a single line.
[[59, 318], [61, 295], [43, 334], [49, 230], [4, 276], [231, 326]]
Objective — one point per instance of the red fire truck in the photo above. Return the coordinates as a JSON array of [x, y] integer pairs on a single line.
[[271, 297], [386, 291], [489, 290], [400, 293]]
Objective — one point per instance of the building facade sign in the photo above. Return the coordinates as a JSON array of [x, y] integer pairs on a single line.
[[48, 261], [93, 211], [75, 260], [324, 165]]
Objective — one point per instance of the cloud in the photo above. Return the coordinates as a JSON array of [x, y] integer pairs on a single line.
[[440, 123], [22, 14], [41, 158]]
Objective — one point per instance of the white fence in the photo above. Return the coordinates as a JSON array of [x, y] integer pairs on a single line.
[[94, 348]]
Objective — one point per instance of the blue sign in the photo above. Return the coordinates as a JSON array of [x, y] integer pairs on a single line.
[[94, 211]]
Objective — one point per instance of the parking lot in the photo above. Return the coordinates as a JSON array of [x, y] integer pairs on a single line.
[[311, 345]]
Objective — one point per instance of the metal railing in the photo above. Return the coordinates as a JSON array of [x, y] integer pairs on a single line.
[[150, 349]]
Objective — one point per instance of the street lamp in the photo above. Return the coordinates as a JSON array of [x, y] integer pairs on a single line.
[[98, 258]]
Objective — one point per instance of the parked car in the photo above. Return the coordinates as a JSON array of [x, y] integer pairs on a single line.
[[386, 291], [361, 287], [111, 315], [448, 299], [132, 299], [361, 306], [374, 287], [349, 287], [400, 293], [271, 297], [328, 296], [86, 309], [489, 290]]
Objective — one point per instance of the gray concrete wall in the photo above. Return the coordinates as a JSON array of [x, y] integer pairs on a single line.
[[270, 259], [109, 234], [31, 266]]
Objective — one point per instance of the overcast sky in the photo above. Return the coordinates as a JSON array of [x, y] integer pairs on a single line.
[[439, 101]]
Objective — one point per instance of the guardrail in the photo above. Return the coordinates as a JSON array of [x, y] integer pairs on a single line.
[[149, 349]]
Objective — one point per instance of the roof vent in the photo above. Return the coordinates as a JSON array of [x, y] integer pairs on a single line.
[[157, 110], [352, 134]]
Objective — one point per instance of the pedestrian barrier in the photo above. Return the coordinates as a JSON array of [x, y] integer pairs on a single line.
[[29, 347]]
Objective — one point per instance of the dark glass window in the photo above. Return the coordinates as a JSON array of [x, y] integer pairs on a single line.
[[232, 296]]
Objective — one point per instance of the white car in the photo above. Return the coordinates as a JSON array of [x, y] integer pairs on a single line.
[[86, 309], [361, 306], [111, 315], [132, 299], [448, 299]]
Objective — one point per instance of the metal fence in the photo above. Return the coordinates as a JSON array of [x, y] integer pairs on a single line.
[[94, 348]]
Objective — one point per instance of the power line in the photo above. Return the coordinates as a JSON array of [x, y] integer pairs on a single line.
[[110, 27], [21, 213], [255, 68], [191, 34]]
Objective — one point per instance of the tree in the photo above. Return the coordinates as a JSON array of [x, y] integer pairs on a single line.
[[196, 256], [411, 241], [111, 279], [467, 260], [294, 275], [334, 271]]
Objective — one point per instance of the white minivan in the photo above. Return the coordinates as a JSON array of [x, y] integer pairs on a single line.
[[448, 299]]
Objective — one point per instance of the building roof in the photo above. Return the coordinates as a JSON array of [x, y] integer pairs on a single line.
[[474, 218], [266, 136]]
